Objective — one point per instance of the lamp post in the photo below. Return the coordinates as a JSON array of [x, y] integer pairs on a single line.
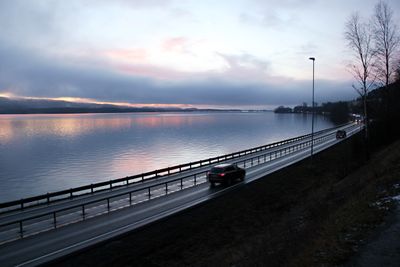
[[312, 110]]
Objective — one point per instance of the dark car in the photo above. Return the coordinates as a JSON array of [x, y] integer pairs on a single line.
[[340, 134], [225, 173]]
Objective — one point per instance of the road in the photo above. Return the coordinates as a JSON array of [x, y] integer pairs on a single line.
[[77, 228]]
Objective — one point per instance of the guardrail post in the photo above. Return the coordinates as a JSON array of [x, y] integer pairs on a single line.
[[251, 161], [130, 198], [258, 158], [181, 184], [108, 204], [70, 193], [195, 181], [22, 205], [54, 220], [48, 198], [149, 194], [166, 188], [110, 184], [83, 211], [21, 230], [91, 188]]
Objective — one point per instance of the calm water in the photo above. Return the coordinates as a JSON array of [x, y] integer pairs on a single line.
[[45, 153]]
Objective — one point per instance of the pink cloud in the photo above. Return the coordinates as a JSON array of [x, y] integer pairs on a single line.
[[175, 44], [135, 55]]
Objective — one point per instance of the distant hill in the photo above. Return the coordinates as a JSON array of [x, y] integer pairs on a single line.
[[39, 106]]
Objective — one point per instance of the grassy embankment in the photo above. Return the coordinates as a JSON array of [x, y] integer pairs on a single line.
[[300, 216]]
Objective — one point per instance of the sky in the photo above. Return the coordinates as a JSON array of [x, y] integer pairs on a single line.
[[189, 53]]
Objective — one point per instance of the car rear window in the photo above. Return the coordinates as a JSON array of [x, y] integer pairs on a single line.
[[217, 170]]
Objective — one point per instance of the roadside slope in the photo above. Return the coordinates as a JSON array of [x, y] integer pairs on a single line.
[[300, 216]]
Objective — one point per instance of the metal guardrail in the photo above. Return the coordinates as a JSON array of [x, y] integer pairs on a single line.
[[259, 159], [21, 204]]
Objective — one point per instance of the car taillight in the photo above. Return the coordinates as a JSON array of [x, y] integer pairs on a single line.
[[222, 174]]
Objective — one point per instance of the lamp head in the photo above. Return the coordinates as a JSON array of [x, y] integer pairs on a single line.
[[312, 58]]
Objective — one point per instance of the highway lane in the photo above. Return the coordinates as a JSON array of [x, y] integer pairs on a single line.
[[45, 223], [52, 244]]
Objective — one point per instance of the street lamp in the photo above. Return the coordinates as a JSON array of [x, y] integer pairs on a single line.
[[312, 120]]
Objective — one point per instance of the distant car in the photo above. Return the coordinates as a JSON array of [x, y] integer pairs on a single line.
[[225, 174], [340, 134]]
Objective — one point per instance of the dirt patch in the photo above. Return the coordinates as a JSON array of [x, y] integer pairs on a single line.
[[301, 216]]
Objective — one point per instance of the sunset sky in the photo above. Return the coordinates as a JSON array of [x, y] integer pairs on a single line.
[[248, 53]]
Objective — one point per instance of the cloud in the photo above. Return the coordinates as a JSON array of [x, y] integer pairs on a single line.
[[286, 4], [268, 19], [245, 61], [34, 64], [275, 14], [24, 20], [135, 3], [307, 49], [132, 55], [34, 75], [245, 67], [175, 44], [153, 72]]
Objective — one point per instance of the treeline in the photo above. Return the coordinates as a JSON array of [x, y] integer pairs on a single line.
[[338, 112], [384, 113]]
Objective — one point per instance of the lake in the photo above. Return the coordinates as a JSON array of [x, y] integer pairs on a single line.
[[45, 153]]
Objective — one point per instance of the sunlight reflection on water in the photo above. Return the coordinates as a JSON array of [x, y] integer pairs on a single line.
[[44, 153]]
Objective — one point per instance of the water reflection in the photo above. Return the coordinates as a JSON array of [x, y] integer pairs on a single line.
[[73, 125], [41, 153]]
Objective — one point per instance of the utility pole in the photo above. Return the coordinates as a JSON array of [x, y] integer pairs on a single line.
[[312, 110]]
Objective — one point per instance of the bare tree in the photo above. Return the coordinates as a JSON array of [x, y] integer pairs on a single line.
[[386, 42], [359, 39], [397, 77]]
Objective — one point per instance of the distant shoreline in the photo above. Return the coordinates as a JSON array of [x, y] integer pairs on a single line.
[[11, 106], [115, 111]]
